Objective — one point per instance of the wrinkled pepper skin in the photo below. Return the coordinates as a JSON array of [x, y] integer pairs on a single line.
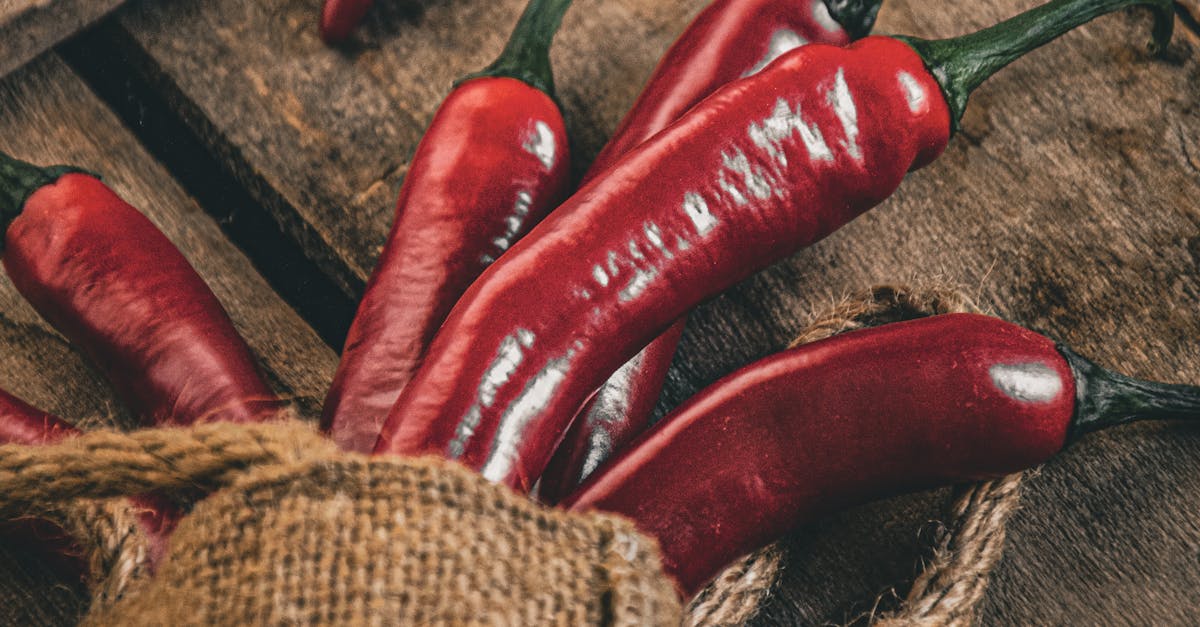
[[493, 162], [114, 285], [767, 165], [930, 402], [728, 40]]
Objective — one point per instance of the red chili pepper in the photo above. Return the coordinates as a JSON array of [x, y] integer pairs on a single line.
[[21, 423], [339, 18], [114, 285], [730, 39], [493, 162], [864, 415], [765, 166]]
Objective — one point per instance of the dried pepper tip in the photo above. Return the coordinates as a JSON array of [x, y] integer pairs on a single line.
[[526, 56], [963, 63], [19, 180], [1105, 399], [857, 17]]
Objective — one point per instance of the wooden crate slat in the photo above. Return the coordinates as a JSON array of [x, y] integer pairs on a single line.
[[30, 27], [323, 135]]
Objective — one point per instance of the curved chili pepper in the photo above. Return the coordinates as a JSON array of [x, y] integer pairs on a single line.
[[933, 401], [493, 162], [21, 423], [113, 284], [729, 39], [766, 165]]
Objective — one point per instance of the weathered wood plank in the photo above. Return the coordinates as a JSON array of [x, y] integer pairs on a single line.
[[323, 136], [47, 115], [1068, 204], [30, 27]]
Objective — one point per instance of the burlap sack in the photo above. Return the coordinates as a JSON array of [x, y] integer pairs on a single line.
[[297, 532]]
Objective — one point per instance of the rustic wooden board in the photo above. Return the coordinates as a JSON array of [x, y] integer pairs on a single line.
[[1068, 204], [323, 136], [47, 115], [30, 27]]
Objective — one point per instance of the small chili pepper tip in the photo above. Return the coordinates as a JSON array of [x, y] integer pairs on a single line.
[[857, 17], [19, 180], [1106, 399], [339, 18], [526, 56], [963, 63]]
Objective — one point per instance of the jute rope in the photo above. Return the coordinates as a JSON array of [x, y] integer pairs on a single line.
[[120, 552], [108, 464], [299, 533], [952, 583], [75, 483]]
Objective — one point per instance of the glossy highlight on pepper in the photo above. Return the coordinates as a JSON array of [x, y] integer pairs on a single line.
[[765, 166], [933, 401], [728, 40], [492, 164]]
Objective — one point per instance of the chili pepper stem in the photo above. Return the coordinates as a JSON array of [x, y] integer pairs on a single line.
[[963, 63], [857, 17], [18, 180], [526, 56], [1105, 399]]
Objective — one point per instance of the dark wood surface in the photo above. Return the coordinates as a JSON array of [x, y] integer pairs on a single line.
[[1069, 203], [30, 27]]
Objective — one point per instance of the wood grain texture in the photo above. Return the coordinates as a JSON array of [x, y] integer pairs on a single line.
[[323, 136], [30, 27], [48, 116], [1068, 203]]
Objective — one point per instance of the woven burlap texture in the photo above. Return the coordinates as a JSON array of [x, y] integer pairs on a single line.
[[300, 534], [297, 532]]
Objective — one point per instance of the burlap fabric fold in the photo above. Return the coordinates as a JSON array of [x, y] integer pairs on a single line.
[[296, 532], [300, 534]]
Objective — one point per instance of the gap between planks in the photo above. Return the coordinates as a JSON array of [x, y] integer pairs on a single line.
[[160, 128]]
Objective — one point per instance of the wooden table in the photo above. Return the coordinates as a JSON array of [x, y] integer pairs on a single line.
[[1070, 203]]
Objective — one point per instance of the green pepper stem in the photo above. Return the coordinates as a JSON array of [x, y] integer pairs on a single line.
[[963, 63], [1104, 399], [526, 56], [19, 180], [857, 17]]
